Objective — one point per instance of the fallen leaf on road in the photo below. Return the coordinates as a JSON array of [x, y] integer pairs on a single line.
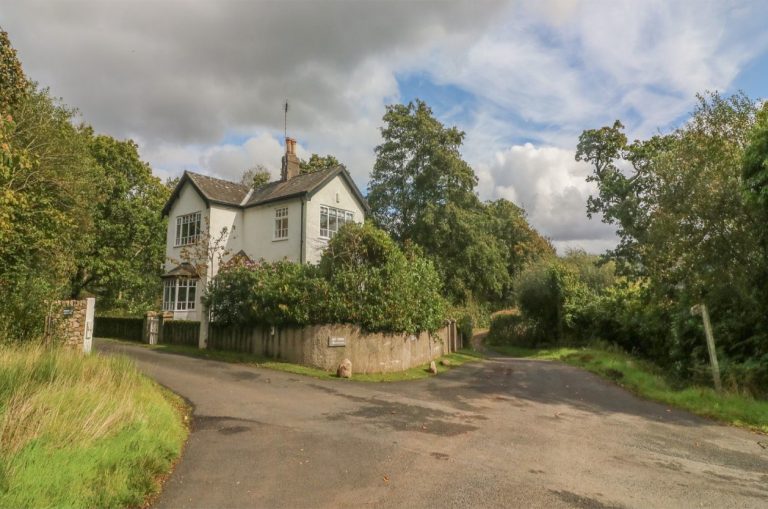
[[764, 445], [386, 479]]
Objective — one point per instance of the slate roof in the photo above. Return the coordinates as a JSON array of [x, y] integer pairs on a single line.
[[218, 190], [186, 269], [224, 192]]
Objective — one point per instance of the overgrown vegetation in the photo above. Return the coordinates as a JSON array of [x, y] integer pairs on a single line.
[[422, 193], [649, 381], [81, 431], [690, 208], [363, 278], [78, 211]]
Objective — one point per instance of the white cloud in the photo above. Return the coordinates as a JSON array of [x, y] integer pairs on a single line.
[[551, 186], [184, 79]]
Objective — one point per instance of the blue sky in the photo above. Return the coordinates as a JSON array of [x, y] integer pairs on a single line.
[[200, 85]]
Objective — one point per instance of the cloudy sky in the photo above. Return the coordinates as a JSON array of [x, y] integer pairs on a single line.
[[200, 85]]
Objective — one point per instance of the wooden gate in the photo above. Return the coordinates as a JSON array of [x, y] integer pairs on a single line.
[[153, 329]]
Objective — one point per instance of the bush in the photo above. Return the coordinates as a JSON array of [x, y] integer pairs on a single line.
[[511, 328], [363, 278], [279, 293], [464, 325], [551, 296], [23, 306]]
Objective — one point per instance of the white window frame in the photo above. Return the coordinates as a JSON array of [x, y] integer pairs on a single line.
[[174, 288], [281, 224], [334, 219], [184, 224]]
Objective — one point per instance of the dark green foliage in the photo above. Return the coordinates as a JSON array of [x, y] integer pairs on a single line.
[[118, 328], [180, 332], [465, 327], [363, 278], [279, 293], [12, 80], [689, 208], [422, 192], [78, 212], [120, 259], [510, 328], [317, 163]]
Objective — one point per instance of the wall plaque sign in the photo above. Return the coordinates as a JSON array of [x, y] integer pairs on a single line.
[[337, 341]]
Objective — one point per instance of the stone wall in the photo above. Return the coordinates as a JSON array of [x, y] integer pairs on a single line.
[[67, 321], [325, 346]]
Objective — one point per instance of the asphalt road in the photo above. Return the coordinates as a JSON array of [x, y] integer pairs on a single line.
[[502, 433]]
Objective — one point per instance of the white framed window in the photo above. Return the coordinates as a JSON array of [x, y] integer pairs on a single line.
[[331, 219], [281, 224], [187, 229], [179, 294]]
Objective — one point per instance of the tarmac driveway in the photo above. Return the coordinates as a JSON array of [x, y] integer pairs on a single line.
[[502, 433]]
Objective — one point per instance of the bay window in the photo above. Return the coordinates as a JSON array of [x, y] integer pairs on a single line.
[[179, 294]]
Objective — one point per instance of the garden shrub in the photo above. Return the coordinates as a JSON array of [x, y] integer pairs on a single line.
[[278, 293], [363, 278]]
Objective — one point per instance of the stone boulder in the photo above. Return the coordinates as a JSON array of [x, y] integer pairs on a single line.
[[433, 368], [345, 369]]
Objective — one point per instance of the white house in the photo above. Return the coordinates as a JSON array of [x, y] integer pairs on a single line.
[[292, 218]]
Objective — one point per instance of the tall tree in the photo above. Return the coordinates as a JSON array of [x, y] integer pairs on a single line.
[[48, 189], [422, 192], [123, 260], [255, 177], [684, 224], [14, 82], [417, 165], [318, 163]]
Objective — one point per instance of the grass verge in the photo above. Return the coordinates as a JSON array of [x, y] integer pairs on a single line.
[[83, 431], [453, 359], [646, 380]]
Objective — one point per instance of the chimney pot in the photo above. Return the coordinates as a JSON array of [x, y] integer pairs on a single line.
[[290, 167]]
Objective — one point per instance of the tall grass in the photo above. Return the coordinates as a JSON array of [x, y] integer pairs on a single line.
[[82, 431]]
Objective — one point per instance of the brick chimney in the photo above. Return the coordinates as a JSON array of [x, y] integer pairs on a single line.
[[290, 161]]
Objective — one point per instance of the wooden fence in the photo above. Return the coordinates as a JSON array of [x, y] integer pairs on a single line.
[[118, 328]]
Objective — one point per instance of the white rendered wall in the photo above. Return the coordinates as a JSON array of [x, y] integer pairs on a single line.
[[258, 232], [230, 219], [328, 196], [189, 201]]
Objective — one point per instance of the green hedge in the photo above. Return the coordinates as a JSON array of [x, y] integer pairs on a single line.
[[181, 332], [118, 328], [511, 328], [363, 278]]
